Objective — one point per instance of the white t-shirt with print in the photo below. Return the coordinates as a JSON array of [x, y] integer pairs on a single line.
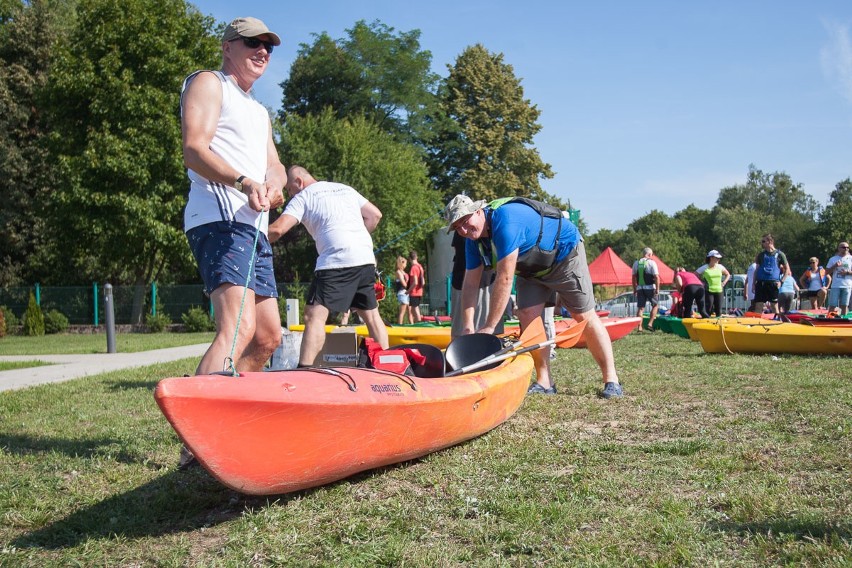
[[840, 277], [331, 212]]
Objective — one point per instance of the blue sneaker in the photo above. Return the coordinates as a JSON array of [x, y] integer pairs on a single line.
[[611, 390], [536, 388]]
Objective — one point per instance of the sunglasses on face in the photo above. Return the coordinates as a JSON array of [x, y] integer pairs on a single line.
[[841, 247], [254, 43]]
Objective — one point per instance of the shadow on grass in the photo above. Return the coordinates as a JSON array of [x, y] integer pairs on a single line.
[[130, 385], [179, 501], [90, 447], [802, 529]]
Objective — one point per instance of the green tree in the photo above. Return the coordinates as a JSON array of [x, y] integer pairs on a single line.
[[788, 212], [114, 104], [698, 224], [835, 222], [737, 231], [28, 33], [33, 323], [373, 72], [486, 148], [386, 171]]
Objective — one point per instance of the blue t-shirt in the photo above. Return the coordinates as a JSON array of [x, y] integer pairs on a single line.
[[787, 286], [515, 226]]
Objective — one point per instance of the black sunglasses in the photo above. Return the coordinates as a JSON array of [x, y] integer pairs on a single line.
[[254, 43]]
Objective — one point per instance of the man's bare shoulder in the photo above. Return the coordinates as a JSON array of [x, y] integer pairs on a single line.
[[203, 81]]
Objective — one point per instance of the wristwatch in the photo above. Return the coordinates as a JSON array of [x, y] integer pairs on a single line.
[[238, 185]]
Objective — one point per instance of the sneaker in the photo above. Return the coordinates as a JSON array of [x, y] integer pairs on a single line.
[[611, 390], [187, 459], [536, 388]]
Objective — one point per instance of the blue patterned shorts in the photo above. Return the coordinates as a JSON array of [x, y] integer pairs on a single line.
[[223, 252]]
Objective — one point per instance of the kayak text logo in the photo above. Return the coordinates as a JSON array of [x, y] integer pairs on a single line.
[[386, 388]]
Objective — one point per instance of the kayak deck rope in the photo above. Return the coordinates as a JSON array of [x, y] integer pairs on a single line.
[[230, 366]]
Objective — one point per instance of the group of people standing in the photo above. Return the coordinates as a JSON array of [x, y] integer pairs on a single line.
[[409, 286], [769, 283], [769, 280], [832, 282], [703, 286]]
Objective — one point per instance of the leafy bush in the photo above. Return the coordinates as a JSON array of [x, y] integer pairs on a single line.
[[197, 319], [55, 322], [2, 324], [157, 323], [33, 318], [12, 322], [11, 319]]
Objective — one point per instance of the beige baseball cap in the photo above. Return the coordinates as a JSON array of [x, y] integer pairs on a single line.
[[460, 206], [248, 27]]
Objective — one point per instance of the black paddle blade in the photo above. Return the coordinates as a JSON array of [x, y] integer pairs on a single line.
[[468, 349]]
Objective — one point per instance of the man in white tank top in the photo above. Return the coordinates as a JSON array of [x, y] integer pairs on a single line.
[[235, 175], [340, 220]]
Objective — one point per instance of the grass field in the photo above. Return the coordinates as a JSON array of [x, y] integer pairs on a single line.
[[708, 460], [96, 343], [9, 365]]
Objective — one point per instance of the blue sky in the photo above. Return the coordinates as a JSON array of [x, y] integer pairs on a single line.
[[644, 105]]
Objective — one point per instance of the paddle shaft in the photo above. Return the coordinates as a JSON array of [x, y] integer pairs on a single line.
[[572, 333], [498, 358]]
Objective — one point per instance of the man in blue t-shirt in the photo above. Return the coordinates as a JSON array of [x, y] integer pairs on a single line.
[[772, 268], [545, 250]]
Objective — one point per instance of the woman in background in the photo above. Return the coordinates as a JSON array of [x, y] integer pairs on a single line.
[[400, 286], [715, 276], [787, 293], [692, 290]]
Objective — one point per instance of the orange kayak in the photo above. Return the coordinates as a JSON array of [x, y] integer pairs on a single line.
[[277, 432]]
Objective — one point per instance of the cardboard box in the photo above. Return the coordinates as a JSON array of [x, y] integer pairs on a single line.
[[340, 349]]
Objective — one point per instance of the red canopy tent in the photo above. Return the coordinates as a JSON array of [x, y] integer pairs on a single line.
[[666, 273], [609, 270]]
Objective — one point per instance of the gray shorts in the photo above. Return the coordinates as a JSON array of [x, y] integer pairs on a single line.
[[569, 279]]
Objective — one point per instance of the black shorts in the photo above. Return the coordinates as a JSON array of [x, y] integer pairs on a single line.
[[340, 289], [766, 291], [414, 301], [646, 296]]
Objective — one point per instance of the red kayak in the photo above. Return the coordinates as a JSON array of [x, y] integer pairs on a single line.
[[818, 320], [616, 328], [560, 323]]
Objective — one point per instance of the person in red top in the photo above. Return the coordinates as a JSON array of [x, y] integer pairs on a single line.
[[416, 282], [690, 286]]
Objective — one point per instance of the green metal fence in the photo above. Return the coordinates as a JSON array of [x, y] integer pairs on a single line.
[[84, 305]]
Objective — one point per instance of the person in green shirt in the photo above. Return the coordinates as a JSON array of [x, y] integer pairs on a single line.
[[715, 276]]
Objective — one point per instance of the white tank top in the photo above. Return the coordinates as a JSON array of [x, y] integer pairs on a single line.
[[241, 139]]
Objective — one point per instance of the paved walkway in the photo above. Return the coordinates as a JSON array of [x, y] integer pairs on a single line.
[[67, 367]]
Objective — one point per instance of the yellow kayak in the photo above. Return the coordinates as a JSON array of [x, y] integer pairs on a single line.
[[774, 337], [725, 320], [439, 336]]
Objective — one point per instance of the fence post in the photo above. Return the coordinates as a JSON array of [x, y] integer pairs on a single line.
[[153, 298], [110, 318], [95, 296], [38, 294]]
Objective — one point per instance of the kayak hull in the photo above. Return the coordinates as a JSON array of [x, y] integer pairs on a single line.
[[774, 337], [278, 432]]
